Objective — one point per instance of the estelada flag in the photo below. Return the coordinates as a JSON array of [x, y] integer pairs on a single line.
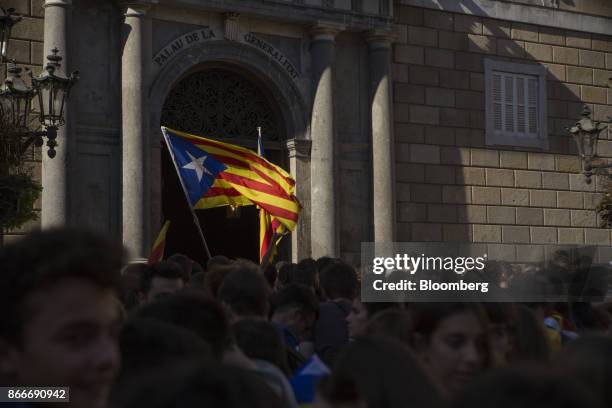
[[157, 252], [267, 225], [215, 174]]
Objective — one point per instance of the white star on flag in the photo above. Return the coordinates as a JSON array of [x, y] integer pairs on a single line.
[[197, 164]]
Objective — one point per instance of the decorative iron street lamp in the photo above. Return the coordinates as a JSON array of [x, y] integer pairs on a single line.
[[586, 133], [51, 87]]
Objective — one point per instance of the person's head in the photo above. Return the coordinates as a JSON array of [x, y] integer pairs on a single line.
[[531, 343], [214, 277], [184, 262], [286, 271], [193, 311], [379, 367], [323, 262], [502, 327], [271, 273], [161, 279], [150, 345], [393, 323], [60, 313], [452, 340], [217, 260], [244, 292], [588, 360], [296, 307], [339, 281], [360, 313], [260, 340], [332, 392], [200, 384], [131, 277], [524, 387], [306, 274]]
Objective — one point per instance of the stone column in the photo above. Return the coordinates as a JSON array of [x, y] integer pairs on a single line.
[[299, 167], [383, 159], [135, 126], [56, 172], [324, 222]]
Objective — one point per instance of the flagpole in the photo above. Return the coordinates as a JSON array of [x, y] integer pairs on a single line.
[[196, 220]]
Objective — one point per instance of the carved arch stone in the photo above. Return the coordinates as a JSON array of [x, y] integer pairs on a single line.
[[281, 86]]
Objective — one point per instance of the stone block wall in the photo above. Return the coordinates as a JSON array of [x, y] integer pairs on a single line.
[[26, 48], [451, 186]]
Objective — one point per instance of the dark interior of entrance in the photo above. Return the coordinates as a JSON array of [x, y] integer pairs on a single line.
[[218, 102]]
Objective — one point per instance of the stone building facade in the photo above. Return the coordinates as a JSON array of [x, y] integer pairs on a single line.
[[393, 116]]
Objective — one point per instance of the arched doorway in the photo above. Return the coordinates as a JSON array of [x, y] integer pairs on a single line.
[[218, 101]]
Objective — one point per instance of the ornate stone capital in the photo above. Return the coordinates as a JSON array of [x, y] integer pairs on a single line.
[[325, 31], [136, 8], [57, 3], [299, 148], [378, 39]]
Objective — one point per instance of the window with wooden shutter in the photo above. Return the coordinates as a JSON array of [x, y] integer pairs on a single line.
[[516, 99]]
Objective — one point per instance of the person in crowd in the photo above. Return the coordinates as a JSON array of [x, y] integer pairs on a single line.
[[306, 273], [217, 260], [198, 282], [452, 340], [339, 287], [188, 265], [285, 272], [244, 292], [386, 373], [193, 311], [294, 310], [131, 278], [531, 343], [271, 275], [60, 313], [323, 262], [161, 279], [502, 329], [357, 319], [524, 387], [338, 393], [151, 345], [261, 342], [201, 384], [588, 360], [396, 324]]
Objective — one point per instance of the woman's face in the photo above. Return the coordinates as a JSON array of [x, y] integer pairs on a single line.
[[357, 319], [456, 351]]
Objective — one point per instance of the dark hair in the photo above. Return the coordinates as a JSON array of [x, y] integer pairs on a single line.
[[305, 273], [285, 272], [393, 323], [339, 280], [215, 276], [131, 278], [149, 344], [296, 296], [530, 342], [43, 259], [524, 387], [337, 391], [198, 384], [217, 260], [198, 280], [259, 339], [323, 262], [163, 269], [589, 361], [193, 311], [271, 274], [183, 261], [378, 367], [245, 290]]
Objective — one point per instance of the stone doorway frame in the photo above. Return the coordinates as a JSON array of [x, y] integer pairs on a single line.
[[293, 108]]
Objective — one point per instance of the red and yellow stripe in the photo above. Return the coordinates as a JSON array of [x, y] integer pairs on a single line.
[[248, 179], [157, 252]]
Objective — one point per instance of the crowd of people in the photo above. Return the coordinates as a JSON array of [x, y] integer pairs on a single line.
[[233, 334]]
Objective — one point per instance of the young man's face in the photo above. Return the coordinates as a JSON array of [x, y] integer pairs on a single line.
[[70, 338]]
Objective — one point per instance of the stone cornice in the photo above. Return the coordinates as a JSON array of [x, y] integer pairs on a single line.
[[299, 147], [57, 3], [380, 38]]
